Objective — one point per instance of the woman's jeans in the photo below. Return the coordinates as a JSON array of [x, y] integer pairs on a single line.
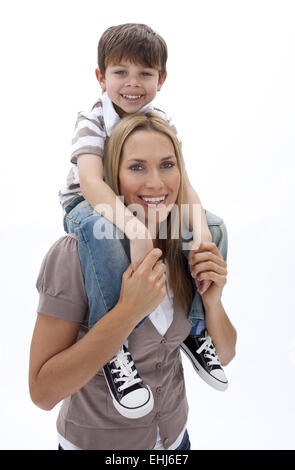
[[105, 255], [185, 443]]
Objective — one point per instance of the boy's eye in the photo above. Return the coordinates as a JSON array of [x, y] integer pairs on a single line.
[[146, 74], [119, 72]]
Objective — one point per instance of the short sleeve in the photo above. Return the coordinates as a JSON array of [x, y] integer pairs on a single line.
[[60, 282], [89, 133], [170, 122]]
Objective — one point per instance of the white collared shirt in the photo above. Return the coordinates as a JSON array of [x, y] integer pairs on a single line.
[[110, 115]]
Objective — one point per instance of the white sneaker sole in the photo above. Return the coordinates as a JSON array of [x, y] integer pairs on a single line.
[[132, 413], [209, 379]]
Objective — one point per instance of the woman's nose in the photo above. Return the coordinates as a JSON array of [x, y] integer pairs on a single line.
[[154, 181]]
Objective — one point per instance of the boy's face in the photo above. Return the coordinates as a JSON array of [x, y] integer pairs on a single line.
[[130, 86]]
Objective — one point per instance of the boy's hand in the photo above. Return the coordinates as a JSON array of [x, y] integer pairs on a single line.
[[206, 237], [141, 242], [208, 264], [139, 248]]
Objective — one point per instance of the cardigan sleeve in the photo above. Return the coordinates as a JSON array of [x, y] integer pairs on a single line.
[[60, 282]]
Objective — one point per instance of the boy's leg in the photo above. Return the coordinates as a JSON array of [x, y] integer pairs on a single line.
[[104, 256], [198, 346], [103, 262]]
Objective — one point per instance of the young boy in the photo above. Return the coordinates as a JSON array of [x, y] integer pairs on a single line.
[[131, 70]]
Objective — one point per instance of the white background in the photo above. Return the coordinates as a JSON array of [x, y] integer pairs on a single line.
[[230, 91]]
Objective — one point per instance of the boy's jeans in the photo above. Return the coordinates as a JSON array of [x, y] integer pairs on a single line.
[[104, 259]]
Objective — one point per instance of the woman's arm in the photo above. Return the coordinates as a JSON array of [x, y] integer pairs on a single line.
[[207, 264], [59, 366], [222, 332]]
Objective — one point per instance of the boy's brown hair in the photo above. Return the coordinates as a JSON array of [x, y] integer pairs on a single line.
[[135, 42]]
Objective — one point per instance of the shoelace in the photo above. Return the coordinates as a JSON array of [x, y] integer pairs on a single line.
[[124, 368], [209, 351]]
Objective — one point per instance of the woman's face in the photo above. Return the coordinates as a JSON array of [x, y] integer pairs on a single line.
[[149, 175]]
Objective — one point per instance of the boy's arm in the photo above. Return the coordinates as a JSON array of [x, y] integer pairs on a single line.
[[103, 199], [202, 232]]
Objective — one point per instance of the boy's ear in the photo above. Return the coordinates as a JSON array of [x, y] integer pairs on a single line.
[[161, 81], [100, 78]]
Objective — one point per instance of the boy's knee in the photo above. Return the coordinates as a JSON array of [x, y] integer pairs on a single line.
[[213, 219], [103, 228], [218, 231]]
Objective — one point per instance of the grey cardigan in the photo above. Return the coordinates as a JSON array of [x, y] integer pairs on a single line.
[[88, 418]]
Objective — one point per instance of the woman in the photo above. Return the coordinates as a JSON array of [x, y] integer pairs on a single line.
[[143, 160]]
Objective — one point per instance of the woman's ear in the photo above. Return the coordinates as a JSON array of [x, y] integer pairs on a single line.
[[100, 78]]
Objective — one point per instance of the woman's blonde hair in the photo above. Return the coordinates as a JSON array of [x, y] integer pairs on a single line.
[[180, 280]]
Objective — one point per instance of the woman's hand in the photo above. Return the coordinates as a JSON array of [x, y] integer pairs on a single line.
[[144, 289], [207, 264]]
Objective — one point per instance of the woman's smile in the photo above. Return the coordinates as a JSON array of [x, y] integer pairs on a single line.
[[154, 201]]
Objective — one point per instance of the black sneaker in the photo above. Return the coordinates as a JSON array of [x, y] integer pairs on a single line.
[[131, 397], [201, 351]]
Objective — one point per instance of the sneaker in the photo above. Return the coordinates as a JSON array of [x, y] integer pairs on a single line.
[[201, 351], [131, 397]]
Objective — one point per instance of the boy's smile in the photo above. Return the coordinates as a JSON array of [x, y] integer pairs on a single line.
[[130, 86]]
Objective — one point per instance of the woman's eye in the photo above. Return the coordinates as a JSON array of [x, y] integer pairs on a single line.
[[168, 165], [135, 167]]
